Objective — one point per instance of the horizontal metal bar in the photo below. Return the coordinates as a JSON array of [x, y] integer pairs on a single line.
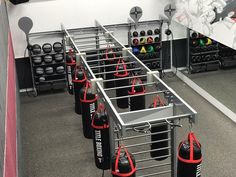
[[128, 86], [117, 58], [141, 94], [94, 55], [91, 45], [154, 174], [142, 135], [146, 126], [87, 37], [146, 143], [148, 159], [153, 166], [117, 64], [110, 72], [131, 77], [92, 41], [152, 150]]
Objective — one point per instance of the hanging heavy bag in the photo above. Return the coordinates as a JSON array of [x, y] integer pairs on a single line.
[[123, 165], [189, 157], [101, 141], [137, 102], [70, 67], [79, 82], [121, 72], [110, 57], [88, 107], [159, 136]]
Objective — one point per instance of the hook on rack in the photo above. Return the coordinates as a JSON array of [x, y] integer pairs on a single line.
[[173, 125], [143, 130]]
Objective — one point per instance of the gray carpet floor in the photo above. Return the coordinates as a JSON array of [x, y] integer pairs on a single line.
[[54, 146], [220, 84]]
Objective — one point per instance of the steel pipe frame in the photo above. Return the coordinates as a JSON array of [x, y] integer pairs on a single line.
[[112, 72], [117, 58], [116, 117]]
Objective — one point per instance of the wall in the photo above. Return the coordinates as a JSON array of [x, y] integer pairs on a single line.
[[8, 102], [48, 15]]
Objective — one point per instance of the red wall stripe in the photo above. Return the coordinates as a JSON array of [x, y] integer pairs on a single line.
[[10, 155]]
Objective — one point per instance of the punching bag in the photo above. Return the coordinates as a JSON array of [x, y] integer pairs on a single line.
[[78, 81], [101, 141], [189, 157], [137, 102], [70, 66], [110, 57], [121, 72], [88, 107], [158, 135], [123, 165]]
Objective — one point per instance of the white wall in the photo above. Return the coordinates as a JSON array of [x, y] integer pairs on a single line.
[[48, 14]]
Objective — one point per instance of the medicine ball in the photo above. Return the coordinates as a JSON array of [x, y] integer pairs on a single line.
[[39, 71], [60, 69], [149, 32], [41, 79], [49, 70], [37, 60], [47, 48], [135, 51], [157, 31], [201, 42], [143, 40], [135, 41], [135, 34], [157, 39], [58, 57], [150, 49], [47, 58], [142, 33], [149, 40], [36, 49], [208, 41], [57, 47]]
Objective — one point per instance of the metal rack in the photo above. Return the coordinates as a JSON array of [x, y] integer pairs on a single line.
[[131, 128]]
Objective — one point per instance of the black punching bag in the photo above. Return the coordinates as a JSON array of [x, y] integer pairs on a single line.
[[137, 102], [79, 82], [88, 107], [121, 72], [189, 157], [159, 136], [70, 67], [101, 141], [123, 164], [110, 57]]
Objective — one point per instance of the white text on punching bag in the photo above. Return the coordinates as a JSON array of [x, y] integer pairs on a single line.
[[198, 173], [92, 109], [98, 144]]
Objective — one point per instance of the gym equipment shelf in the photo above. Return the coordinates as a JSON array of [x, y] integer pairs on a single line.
[[202, 53], [49, 81], [132, 128]]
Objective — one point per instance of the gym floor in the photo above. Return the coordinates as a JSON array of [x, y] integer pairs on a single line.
[[54, 145]]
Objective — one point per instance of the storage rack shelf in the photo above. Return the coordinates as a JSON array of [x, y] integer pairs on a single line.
[[55, 80], [123, 123], [202, 55]]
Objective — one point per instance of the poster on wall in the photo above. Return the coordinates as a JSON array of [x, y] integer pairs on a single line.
[[213, 18]]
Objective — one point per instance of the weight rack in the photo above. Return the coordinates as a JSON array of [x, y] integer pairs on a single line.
[[131, 128]]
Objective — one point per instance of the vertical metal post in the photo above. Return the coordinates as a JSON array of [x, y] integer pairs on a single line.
[[173, 147], [111, 137]]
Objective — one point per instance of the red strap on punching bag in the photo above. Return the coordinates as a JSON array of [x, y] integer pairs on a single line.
[[107, 50], [87, 86], [101, 107], [76, 71], [159, 100], [72, 59], [133, 92], [121, 60], [191, 138], [116, 170]]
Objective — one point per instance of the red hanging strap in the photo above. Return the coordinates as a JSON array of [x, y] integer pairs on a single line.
[[71, 57], [191, 138], [101, 107], [84, 100], [114, 55], [159, 100], [133, 92], [76, 71], [116, 170], [126, 73]]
